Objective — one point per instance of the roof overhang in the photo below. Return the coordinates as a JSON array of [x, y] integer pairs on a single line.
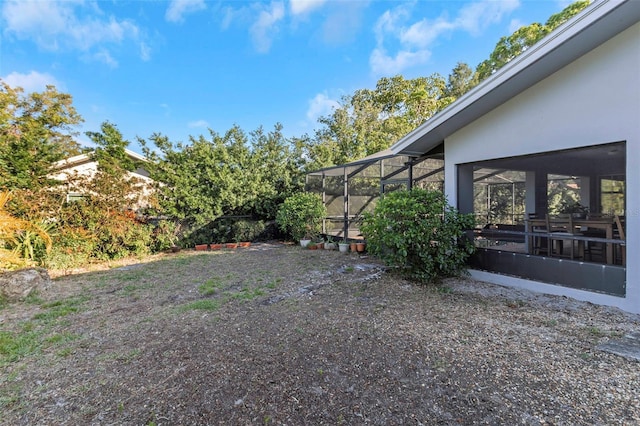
[[598, 23], [78, 160]]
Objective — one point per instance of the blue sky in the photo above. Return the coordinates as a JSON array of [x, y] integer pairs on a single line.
[[180, 67]]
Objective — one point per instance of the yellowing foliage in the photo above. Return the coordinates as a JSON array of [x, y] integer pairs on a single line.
[[10, 229]]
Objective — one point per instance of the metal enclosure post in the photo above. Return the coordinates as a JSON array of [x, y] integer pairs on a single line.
[[346, 204], [324, 202]]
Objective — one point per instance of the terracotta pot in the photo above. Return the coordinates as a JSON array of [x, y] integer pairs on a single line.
[[312, 246], [215, 246], [231, 245], [360, 247], [202, 247], [352, 246]]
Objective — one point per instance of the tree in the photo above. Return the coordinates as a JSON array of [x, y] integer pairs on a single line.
[[372, 120], [36, 130], [277, 165], [224, 175], [112, 186], [509, 47], [462, 79]]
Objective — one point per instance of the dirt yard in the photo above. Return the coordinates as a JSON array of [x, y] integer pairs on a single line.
[[279, 335]]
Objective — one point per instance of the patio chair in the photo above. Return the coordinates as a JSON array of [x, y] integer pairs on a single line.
[[559, 228], [540, 244], [595, 249], [618, 233]]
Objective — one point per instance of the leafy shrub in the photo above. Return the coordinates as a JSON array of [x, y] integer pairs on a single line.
[[247, 230], [72, 247], [301, 215], [420, 232], [164, 235]]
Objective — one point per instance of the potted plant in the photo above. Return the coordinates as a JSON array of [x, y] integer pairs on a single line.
[[330, 244], [343, 246], [301, 216]]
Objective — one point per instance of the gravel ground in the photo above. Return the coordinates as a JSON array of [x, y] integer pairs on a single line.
[[276, 334]]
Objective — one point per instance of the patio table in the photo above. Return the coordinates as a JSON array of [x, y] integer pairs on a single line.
[[605, 224]]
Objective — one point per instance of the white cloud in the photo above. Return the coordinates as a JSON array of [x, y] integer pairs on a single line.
[[321, 105], [301, 7], [424, 33], [263, 30], [68, 25], [412, 41], [104, 56], [179, 8], [32, 82], [198, 124], [478, 16], [342, 21], [384, 64]]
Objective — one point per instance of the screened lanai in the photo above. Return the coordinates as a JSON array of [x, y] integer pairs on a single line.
[[351, 189], [556, 216]]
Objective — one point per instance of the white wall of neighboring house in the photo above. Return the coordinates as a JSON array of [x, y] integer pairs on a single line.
[[594, 100], [83, 166]]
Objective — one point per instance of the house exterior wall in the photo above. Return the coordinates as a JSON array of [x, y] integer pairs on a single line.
[[594, 100], [88, 169]]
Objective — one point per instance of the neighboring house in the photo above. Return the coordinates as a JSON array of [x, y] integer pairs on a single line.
[[566, 111], [82, 166]]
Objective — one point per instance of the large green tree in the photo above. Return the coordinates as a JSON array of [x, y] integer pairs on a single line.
[[509, 47], [461, 79], [229, 174], [371, 120], [36, 130], [112, 185]]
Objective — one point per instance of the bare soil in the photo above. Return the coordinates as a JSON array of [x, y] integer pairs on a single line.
[[275, 334]]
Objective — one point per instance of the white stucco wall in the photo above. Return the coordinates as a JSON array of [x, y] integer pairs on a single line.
[[594, 100], [88, 169]]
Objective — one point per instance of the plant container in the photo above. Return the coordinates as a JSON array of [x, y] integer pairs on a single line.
[[202, 247], [360, 247], [304, 243], [343, 247], [215, 246]]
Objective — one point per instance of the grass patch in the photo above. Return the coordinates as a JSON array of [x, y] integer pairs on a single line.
[[59, 308], [246, 294], [34, 334], [273, 283], [201, 305], [210, 287], [14, 346]]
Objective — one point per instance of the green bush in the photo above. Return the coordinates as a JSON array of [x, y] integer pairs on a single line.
[[301, 215], [72, 247], [248, 230], [164, 235], [419, 232]]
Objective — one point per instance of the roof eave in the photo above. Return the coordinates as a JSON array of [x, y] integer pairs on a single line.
[[601, 21]]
